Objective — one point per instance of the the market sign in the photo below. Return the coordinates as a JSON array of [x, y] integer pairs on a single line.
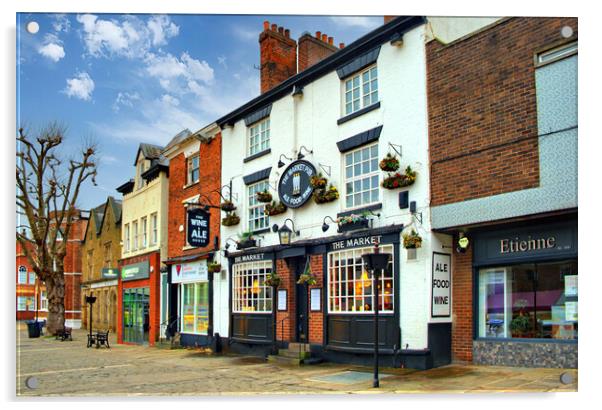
[[109, 273], [441, 285], [197, 232], [190, 272], [294, 187], [134, 271]]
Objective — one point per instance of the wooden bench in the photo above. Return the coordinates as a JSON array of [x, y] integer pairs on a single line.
[[102, 338], [64, 334]]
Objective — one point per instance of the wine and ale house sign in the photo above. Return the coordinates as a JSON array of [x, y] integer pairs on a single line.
[[294, 188]]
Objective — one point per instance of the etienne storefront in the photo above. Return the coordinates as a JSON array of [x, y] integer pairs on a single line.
[[526, 295]]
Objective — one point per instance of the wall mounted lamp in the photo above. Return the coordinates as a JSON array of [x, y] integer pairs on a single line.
[[284, 232], [280, 163], [325, 226], [300, 155]]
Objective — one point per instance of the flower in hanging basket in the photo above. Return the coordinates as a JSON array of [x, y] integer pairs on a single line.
[[389, 163], [318, 181], [264, 196], [230, 219], [227, 206], [214, 267], [350, 219], [398, 180], [323, 195], [275, 208], [412, 240], [272, 279]]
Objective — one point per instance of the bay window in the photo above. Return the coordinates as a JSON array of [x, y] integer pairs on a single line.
[[249, 291], [361, 176], [529, 301], [361, 90], [351, 287], [195, 307]]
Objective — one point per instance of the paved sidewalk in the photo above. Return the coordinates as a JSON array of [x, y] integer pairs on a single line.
[[70, 369]]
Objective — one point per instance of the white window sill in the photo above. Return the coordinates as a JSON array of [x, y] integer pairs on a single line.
[[190, 184]]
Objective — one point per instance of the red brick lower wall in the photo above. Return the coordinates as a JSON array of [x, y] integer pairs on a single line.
[[154, 284], [462, 306], [316, 319]]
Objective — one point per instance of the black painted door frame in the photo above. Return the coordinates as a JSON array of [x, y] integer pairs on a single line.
[[301, 304]]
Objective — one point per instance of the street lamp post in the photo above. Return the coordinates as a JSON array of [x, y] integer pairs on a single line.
[[90, 301], [376, 262]]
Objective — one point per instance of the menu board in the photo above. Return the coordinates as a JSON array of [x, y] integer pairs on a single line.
[[570, 285]]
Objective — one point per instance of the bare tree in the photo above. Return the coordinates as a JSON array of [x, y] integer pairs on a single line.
[[47, 193]]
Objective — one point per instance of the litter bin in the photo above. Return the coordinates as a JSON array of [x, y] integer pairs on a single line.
[[33, 328]]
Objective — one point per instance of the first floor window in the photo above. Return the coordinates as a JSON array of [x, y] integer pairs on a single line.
[[43, 301], [193, 169], [257, 218], [351, 287], [529, 301], [154, 229], [135, 229], [32, 278], [361, 176], [22, 277], [25, 303], [126, 238], [361, 90], [195, 307], [250, 293], [144, 232]]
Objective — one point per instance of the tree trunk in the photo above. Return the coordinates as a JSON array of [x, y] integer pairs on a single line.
[[55, 287]]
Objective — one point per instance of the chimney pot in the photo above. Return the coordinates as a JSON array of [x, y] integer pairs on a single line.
[[341, 45], [266, 25], [281, 30], [330, 40], [325, 37], [318, 34], [278, 56], [287, 33], [274, 27]]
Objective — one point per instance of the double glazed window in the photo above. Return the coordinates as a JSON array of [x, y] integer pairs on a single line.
[[529, 301], [193, 169], [195, 307], [257, 218], [250, 293], [361, 90], [361, 176], [351, 287], [259, 137]]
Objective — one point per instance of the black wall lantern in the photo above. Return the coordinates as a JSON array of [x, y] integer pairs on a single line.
[[284, 232], [325, 226], [463, 243], [280, 163], [300, 155]]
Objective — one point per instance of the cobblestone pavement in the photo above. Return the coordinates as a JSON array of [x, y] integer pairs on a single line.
[[70, 369]]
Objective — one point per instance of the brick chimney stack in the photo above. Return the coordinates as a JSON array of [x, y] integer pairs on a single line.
[[278, 56], [314, 49]]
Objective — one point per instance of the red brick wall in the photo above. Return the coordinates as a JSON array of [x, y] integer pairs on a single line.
[[462, 310], [278, 56], [209, 180], [285, 321], [316, 319], [154, 284], [482, 109], [314, 49]]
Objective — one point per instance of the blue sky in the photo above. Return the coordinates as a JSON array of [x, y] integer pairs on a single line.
[[122, 79]]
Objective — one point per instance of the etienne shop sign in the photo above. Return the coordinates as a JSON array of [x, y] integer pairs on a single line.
[[135, 271], [190, 272], [441, 302], [294, 187]]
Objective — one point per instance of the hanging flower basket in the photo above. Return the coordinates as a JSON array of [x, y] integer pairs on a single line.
[[324, 195], [412, 240], [214, 267], [352, 222], [264, 196], [230, 219], [272, 279], [246, 240], [389, 163], [397, 180], [275, 208], [227, 206], [318, 181]]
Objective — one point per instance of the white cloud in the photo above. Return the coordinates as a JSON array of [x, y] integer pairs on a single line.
[[61, 23], [245, 34], [125, 99], [80, 86], [221, 60], [175, 74], [127, 37], [161, 28], [357, 21], [52, 48], [170, 100]]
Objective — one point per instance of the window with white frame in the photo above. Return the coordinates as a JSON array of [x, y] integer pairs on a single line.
[[126, 238], [259, 137], [557, 53], [21, 303], [154, 229], [135, 233], [43, 301], [192, 165], [249, 291], [361, 176], [361, 90], [195, 307], [32, 278], [22, 276], [257, 217], [351, 287], [141, 169], [144, 236]]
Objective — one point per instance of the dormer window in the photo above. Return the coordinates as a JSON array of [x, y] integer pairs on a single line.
[[141, 169]]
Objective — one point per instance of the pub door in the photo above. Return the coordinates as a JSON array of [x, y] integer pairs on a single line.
[[302, 316]]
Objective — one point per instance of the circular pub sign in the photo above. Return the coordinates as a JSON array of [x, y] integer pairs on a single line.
[[294, 187]]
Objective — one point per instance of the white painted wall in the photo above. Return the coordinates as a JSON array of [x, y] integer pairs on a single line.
[[311, 120], [448, 29]]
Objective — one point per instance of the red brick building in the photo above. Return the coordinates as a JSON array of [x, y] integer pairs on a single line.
[[502, 106], [188, 285]]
